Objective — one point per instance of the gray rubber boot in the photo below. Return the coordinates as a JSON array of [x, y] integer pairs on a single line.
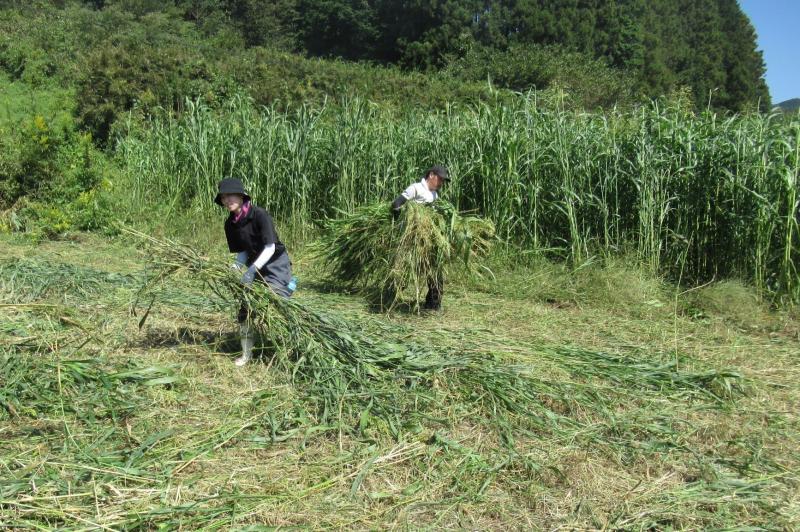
[[247, 344]]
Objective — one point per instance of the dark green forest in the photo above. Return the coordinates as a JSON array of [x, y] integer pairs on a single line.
[[708, 45], [604, 52]]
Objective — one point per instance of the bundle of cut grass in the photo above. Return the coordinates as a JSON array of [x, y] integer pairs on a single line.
[[400, 259]]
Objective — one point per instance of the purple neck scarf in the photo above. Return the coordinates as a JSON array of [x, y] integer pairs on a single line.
[[242, 212]]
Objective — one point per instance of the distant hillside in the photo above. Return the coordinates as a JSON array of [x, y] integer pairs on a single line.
[[707, 45], [789, 105], [658, 46]]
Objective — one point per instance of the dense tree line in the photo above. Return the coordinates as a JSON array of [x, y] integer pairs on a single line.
[[657, 46], [707, 45], [131, 59]]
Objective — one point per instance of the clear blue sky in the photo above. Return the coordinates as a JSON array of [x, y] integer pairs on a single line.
[[777, 23]]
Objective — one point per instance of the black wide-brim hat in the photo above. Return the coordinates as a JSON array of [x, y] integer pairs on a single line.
[[230, 185]]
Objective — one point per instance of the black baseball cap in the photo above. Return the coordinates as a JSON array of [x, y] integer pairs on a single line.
[[439, 170]]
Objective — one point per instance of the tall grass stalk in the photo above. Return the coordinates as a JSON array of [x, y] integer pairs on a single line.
[[718, 192]]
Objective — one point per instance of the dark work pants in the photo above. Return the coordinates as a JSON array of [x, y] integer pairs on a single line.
[[433, 300]]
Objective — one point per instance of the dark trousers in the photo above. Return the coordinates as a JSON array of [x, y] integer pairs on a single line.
[[433, 301]]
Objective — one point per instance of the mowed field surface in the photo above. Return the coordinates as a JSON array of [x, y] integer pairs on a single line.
[[600, 398]]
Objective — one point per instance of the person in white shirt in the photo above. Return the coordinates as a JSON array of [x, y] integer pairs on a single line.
[[426, 191]]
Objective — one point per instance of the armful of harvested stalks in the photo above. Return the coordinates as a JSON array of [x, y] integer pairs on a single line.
[[398, 202]]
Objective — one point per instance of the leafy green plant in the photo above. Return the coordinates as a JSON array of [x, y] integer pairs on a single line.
[[122, 76], [51, 179]]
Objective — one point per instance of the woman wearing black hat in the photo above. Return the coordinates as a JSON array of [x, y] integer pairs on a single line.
[[251, 234], [426, 191]]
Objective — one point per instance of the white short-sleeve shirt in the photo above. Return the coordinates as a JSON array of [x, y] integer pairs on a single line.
[[420, 193]]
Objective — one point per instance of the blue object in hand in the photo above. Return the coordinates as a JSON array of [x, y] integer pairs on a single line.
[[249, 275], [292, 286]]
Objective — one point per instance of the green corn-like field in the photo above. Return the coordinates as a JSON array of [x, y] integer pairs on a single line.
[[696, 197]]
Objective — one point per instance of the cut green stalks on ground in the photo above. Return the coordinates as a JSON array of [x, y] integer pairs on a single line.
[[349, 370], [352, 419], [365, 385]]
